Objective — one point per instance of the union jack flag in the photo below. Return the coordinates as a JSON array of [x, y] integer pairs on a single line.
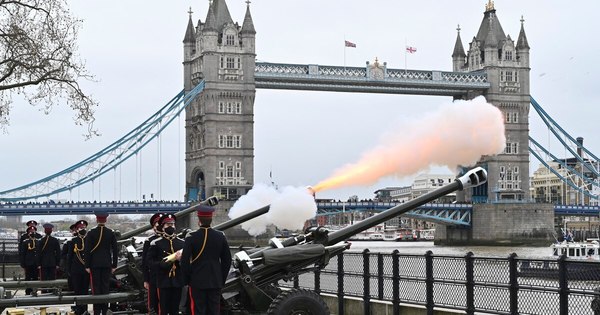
[[349, 44], [411, 50]]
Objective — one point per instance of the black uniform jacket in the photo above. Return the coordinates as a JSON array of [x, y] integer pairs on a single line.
[[148, 274], [101, 249], [168, 275], [49, 251], [208, 270], [28, 251], [25, 236], [75, 262]]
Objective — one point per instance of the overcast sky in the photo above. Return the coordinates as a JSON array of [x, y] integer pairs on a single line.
[[134, 48]]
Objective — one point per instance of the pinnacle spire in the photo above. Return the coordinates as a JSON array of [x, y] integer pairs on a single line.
[[221, 12], [459, 51], [210, 24], [189, 32], [248, 25], [522, 40]]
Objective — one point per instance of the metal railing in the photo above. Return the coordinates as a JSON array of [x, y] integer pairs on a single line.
[[471, 284]]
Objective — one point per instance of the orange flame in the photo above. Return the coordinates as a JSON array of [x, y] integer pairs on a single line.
[[456, 135]]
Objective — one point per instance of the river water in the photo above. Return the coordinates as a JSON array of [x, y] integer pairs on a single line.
[[420, 248]]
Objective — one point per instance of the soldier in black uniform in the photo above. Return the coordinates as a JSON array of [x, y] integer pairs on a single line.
[[64, 252], [163, 256], [28, 251], [205, 261], [101, 253], [76, 264], [26, 235], [150, 275], [49, 254]]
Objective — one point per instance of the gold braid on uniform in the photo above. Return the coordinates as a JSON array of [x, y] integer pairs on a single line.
[[78, 250], [173, 267], [46, 242], [31, 245], [99, 239], [203, 244]]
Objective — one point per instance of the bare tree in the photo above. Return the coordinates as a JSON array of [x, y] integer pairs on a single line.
[[38, 59]]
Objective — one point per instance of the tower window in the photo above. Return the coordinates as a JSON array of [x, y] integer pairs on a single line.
[[508, 55], [230, 40], [221, 108], [230, 63], [221, 62], [238, 108]]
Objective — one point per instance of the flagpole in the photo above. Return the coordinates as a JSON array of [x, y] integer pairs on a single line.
[[344, 53], [405, 45]]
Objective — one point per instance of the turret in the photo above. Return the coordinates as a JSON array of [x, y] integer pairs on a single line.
[[458, 56], [248, 37], [523, 47], [189, 50], [490, 49]]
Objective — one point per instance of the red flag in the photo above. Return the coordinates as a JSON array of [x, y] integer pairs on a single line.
[[411, 50], [349, 44]]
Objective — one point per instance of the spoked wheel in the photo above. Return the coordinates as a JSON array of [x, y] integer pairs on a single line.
[[298, 302]]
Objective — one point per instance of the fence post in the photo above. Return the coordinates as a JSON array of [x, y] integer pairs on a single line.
[[563, 287], [470, 278], [596, 302], [366, 283], [318, 281], [429, 281], [340, 281], [513, 289], [395, 282], [380, 276], [4, 260]]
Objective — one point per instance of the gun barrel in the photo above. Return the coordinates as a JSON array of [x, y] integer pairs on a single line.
[[68, 299], [212, 201], [472, 178], [241, 219]]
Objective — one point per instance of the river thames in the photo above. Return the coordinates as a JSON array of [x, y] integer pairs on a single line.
[[420, 248]]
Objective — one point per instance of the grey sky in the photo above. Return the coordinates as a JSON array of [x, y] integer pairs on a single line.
[[135, 50]]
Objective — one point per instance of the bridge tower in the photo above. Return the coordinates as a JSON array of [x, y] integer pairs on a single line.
[[506, 64], [219, 123]]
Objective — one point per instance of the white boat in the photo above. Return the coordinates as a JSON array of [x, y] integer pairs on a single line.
[[399, 234], [583, 262]]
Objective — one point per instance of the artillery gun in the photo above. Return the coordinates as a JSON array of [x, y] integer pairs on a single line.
[[253, 285], [253, 282]]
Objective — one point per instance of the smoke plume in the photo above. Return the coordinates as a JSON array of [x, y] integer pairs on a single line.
[[456, 135]]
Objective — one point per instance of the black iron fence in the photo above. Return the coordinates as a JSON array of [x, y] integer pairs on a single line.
[[471, 284]]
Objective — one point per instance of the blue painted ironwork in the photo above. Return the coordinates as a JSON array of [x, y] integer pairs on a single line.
[[447, 214], [357, 79], [8, 209], [535, 148], [108, 158]]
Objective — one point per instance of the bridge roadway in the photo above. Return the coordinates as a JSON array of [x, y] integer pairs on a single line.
[[373, 78], [447, 214]]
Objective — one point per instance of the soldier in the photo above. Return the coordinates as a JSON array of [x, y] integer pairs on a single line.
[[163, 257], [101, 253], [64, 253], [150, 275], [205, 262], [28, 251], [49, 254], [25, 235], [80, 279]]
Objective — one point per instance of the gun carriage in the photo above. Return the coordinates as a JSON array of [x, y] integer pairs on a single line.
[[253, 283]]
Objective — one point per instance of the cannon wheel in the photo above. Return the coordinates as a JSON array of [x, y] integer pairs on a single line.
[[298, 302]]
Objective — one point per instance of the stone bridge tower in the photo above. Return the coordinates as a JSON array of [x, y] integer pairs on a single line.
[[506, 64], [219, 123]]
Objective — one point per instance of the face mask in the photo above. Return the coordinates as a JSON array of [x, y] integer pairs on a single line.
[[170, 230], [82, 232]]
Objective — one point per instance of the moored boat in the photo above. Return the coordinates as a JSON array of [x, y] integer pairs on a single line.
[[582, 263]]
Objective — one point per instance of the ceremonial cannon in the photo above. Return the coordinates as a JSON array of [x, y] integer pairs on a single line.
[[253, 285]]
